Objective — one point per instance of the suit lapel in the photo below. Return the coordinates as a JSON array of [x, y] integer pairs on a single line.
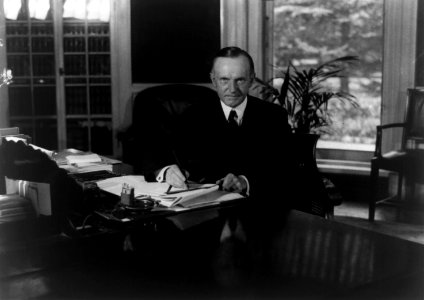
[[219, 116]]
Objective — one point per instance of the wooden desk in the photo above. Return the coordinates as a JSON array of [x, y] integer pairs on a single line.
[[297, 256]]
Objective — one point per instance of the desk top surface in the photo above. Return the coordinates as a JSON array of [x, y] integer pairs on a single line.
[[238, 254]]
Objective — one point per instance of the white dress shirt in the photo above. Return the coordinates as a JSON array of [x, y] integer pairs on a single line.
[[239, 110]]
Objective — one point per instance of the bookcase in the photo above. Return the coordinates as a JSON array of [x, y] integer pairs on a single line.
[[61, 94]]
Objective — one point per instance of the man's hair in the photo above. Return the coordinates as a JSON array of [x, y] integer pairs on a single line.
[[234, 52]]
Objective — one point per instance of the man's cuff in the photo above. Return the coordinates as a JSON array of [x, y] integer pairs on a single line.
[[248, 185], [161, 176]]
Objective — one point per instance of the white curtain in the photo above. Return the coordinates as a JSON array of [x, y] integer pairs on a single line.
[[98, 9], [95, 9], [12, 8], [242, 26], [400, 30], [38, 9]]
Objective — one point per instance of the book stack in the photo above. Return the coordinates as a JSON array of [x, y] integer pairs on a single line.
[[14, 207]]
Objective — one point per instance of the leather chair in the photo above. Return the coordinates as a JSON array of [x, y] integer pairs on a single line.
[[407, 162], [156, 112]]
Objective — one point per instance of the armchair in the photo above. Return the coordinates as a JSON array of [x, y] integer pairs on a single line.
[[156, 112], [408, 161]]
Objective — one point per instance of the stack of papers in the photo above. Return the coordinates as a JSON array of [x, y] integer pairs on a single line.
[[76, 161], [87, 163], [83, 159], [197, 194]]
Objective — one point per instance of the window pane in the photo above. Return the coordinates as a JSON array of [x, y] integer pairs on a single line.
[[308, 33]]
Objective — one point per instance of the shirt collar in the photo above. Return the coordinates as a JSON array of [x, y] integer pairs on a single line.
[[239, 110]]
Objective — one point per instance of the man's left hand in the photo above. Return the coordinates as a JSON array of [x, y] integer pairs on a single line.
[[233, 183]]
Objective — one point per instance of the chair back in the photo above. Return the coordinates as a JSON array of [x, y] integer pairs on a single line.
[[156, 113], [169, 100], [414, 120]]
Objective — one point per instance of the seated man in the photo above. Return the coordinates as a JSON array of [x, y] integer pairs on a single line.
[[238, 141]]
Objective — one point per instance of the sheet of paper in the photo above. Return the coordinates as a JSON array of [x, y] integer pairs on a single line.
[[191, 187], [214, 196], [141, 187]]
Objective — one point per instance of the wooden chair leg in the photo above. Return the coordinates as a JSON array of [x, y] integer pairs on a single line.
[[399, 195], [399, 187], [374, 191]]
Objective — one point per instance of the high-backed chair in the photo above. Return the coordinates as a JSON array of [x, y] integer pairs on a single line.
[[156, 112], [408, 161]]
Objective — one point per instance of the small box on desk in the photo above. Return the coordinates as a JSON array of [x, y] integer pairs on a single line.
[[52, 201]]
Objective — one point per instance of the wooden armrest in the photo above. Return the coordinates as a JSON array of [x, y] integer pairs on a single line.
[[380, 128], [390, 125]]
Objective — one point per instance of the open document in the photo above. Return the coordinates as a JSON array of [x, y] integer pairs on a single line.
[[195, 195]]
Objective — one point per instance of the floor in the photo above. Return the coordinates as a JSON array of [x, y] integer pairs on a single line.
[[389, 220]]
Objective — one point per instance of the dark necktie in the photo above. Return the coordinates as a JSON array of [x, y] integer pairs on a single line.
[[232, 120]]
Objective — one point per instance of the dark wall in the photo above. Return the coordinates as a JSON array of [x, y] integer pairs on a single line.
[[174, 40]]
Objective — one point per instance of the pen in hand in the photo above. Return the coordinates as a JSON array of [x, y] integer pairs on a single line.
[[181, 170]]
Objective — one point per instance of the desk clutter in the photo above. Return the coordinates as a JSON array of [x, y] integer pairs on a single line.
[[138, 197], [74, 182], [53, 182]]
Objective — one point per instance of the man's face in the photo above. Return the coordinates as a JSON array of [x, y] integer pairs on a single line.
[[232, 78]]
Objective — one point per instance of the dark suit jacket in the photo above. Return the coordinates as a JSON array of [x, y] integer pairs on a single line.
[[260, 149]]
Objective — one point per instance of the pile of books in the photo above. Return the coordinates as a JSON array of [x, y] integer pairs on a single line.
[[14, 207]]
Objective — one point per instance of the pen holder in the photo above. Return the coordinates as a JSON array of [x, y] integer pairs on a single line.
[[127, 197]]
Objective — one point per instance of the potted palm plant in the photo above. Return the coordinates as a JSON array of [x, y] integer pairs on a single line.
[[305, 96]]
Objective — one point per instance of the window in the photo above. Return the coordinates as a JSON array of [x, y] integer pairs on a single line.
[[307, 33]]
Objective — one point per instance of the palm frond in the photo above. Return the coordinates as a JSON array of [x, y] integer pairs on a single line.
[[305, 97], [284, 87]]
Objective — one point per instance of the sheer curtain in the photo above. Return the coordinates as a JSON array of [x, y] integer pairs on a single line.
[[38, 9], [96, 9], [242, 25], [400, 29]]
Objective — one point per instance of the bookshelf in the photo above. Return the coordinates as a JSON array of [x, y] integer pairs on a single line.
[[31, 55], [61, 93], [87, 82]]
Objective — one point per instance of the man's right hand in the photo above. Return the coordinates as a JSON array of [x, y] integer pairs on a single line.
[[175, 177]]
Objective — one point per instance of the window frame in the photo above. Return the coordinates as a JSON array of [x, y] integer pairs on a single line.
[[399, 52]]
